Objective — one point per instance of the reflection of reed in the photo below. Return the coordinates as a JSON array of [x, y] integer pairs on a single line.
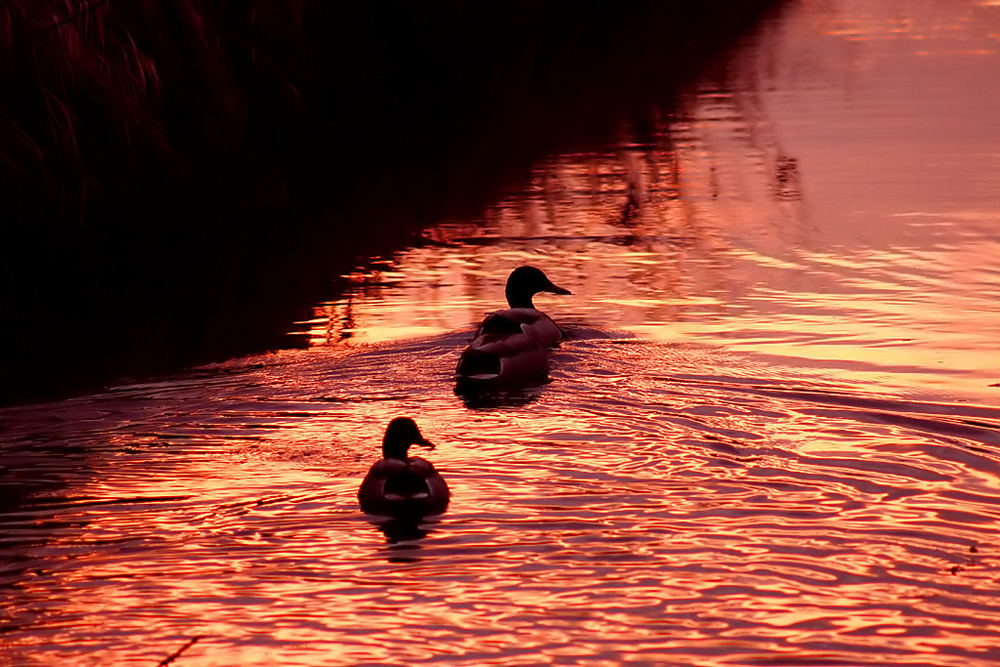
[[651, 227], [347, 324], [632, 225]]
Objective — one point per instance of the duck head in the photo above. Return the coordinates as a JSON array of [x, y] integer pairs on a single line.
[[399, 435], [527, 281]]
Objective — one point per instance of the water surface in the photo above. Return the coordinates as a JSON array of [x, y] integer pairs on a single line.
[[771, 437]]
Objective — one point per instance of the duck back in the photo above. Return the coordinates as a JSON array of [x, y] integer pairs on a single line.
[[394, 487]]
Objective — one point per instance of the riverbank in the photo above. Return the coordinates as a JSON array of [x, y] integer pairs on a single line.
[[181, 181]]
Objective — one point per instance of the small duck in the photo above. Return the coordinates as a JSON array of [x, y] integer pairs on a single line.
[[513, 345], [400, 484]]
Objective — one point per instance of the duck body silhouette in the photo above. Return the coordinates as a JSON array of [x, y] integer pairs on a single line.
[[402, 485], [512, 345]]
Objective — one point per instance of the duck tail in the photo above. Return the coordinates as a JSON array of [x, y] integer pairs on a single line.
[[477, 365]]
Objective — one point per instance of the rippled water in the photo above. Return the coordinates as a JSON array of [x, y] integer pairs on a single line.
[[771, 436]]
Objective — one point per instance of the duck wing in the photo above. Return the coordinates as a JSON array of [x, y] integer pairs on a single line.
[[437, 489], [528, 321], [514, 357], [371, 495], [403, 488], [500, 323]]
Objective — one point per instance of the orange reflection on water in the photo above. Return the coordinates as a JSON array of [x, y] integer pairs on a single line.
[[757, 220], [769, 436]]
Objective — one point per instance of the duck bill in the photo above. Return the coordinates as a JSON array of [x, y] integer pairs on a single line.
[[555, 289], [425, 443]]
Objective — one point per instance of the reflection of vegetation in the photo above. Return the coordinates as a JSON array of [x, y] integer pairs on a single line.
[[157, 159]]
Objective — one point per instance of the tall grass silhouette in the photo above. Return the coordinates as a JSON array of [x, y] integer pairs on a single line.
[[178, 179]]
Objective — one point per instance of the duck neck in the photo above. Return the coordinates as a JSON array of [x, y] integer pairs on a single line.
[[518, 299], [393, 451]]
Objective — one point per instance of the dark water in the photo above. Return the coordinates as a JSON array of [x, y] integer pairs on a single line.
[[771, 438]]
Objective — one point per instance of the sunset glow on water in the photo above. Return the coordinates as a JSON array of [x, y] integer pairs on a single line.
[[771, 436]]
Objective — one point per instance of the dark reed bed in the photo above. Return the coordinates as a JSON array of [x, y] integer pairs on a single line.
[[180, 180]]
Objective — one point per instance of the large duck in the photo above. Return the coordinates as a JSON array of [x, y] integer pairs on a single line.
[[512, 345], [402, 485]]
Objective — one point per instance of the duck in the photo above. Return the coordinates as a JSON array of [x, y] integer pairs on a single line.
[[512, 345], [403, 485]]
